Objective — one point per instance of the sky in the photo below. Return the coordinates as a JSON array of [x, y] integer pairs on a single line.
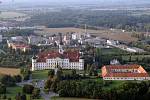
[[82, 1], [76, 0]]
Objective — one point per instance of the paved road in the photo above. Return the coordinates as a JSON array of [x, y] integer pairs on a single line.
[[1, 51], [39, 84]]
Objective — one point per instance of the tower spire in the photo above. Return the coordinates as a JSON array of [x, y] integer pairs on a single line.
[[85, 27]]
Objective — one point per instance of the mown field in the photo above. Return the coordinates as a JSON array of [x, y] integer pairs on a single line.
[[9, 71], [7, 15], [40, 74]]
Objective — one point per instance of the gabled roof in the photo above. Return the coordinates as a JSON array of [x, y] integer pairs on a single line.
[[128, 71], [73, 56]]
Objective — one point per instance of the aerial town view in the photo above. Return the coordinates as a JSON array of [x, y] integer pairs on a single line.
[[74, 49]]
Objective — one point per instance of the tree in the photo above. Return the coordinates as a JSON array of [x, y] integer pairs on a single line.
[[73, 74], [25, 73], [18, 96], [28, 89], [8, 80], [51, 73], [59, 74], [36, 93], [48, 84], [2, 89], [18, 78], [23, 97]]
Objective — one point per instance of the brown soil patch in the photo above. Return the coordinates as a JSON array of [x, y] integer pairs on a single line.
[[9, 71]]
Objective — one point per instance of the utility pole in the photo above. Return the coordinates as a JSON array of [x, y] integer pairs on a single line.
[[85, 27]]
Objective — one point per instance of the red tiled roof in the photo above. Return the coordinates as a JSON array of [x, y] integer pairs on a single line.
[[123, 66], [107, 71], [20, 46], [73, 56]]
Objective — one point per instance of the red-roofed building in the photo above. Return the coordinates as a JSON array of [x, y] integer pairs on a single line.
[[124, 72], [18, 46], [53, 59]]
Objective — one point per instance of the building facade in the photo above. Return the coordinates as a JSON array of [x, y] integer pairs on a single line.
[[124, 72], [55, 59], [18, 46], [1, 38]]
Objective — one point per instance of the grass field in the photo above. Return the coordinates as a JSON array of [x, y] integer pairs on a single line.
[[111, 34], [40, 74], [112, 51], [43, 74], [9, 71], [12, 91], [61, 98]]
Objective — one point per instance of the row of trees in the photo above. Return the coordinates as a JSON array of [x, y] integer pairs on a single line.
[[97, 90], [30, 89], [129, 91], [25, 72], [86, 89], [109, 19], [8, 80], [14, 58]]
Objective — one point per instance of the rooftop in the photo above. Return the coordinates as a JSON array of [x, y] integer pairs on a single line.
[[73, 56], [124, 71]]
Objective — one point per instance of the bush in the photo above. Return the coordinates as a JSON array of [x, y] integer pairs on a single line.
[[28, 89], [8, 80]]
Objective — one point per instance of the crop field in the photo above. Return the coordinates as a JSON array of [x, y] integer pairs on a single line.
[[111, 34], [9, 71], [6, 15], [14, 16]]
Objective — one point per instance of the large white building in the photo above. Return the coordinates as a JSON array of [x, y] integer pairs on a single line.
[[53, 59]]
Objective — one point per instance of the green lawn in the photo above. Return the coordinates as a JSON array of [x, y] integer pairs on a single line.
[[112, 83], [62, 98], [112, 51], [44, 74], [40, 74], [12, 91], [69, 71]]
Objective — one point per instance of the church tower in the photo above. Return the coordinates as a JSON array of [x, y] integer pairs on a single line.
[[34, 61], [61, 50]]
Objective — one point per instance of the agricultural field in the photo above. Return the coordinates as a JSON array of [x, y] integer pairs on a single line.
[[111, 34], [13, 15], [9, 71], [8, 15]]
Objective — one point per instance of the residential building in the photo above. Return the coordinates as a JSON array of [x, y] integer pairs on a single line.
[[18, 46], [124, 72], [114, 62]]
